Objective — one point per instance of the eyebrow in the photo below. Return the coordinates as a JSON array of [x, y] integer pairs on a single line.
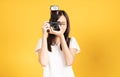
[[62, 22]]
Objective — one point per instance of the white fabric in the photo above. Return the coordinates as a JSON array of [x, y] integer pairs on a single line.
[[56, 66]]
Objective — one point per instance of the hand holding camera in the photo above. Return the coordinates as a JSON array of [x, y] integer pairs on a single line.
[[55, 32], [45, 28], [51, 28]]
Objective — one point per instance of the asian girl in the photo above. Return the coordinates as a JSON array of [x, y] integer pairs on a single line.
[[56, 50]]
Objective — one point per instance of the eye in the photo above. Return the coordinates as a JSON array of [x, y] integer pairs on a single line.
[[62, 23]]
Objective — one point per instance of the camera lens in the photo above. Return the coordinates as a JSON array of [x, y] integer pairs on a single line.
[[55, 25]]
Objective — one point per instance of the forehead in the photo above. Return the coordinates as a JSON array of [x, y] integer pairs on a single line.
[[62, 19]]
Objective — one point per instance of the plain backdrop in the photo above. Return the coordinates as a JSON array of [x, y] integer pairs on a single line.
[[94, 23]]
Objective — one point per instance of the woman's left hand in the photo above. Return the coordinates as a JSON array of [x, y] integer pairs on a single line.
[[57, 33]]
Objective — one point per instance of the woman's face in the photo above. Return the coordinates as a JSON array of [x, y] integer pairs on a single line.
[[63, 22]]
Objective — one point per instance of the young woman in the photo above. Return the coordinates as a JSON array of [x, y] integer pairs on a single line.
[[56, 50]]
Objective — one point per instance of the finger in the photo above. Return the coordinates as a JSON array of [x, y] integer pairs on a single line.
[[44, 25], [51, 29], [47, 25], [60, 27]]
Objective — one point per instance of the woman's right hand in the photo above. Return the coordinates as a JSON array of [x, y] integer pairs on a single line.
[[45, 28]]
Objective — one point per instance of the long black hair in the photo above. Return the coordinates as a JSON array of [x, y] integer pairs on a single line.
[[51, 37]]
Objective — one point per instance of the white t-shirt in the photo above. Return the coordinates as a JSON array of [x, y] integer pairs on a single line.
[[57, 66]]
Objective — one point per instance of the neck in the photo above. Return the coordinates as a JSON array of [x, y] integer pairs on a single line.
[[57, 40]]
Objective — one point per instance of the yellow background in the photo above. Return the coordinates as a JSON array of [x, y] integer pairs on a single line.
[[94, 23]]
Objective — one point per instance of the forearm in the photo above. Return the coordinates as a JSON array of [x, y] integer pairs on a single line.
[[43, 55], [67, 54]]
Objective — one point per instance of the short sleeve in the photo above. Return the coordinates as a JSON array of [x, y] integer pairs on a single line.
[[38, 46], [74, 44]]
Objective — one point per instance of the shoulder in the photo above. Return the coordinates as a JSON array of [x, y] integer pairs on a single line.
[[72, 38], [40, 39]]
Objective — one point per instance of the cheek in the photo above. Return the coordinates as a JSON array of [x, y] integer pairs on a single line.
[[64, 28]]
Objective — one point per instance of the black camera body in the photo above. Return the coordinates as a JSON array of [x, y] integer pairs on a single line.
[[55, 25], [54, 16]]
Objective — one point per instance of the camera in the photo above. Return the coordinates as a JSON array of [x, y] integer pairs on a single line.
[[54, 17], [55, 25]]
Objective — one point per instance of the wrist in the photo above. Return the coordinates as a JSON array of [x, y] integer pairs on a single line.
[[44, 35], [61, 36]]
